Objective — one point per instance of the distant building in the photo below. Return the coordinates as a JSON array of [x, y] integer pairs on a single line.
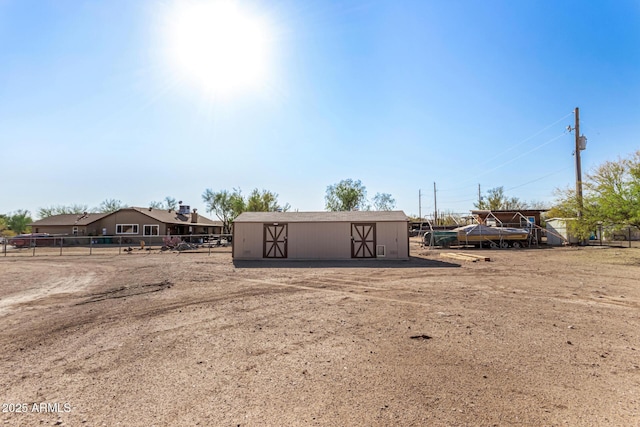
[[558, 232], [133, 222]]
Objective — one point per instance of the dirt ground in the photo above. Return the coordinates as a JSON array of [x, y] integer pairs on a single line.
[[533, 337]]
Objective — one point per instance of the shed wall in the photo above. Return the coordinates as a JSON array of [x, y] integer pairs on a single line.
[[320, 240], [247, 240], [559, 227], [394, 235]]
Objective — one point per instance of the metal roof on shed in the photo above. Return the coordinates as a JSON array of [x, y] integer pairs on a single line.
[[344, 216]]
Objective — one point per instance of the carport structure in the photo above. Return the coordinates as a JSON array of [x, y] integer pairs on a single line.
[[321, 235]]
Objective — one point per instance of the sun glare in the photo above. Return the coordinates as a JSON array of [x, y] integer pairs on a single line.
[[220, 46]]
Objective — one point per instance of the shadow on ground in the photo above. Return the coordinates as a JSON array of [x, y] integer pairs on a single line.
[[413, 262]]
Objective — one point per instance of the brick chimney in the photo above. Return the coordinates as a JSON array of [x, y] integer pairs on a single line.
[[194, 216]]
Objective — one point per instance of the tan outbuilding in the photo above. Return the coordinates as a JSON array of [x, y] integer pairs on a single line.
[[321, 235]]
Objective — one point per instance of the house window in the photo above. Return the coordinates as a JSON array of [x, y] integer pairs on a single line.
[[529, 222], [126, 228], [151, 230], [75, 231]]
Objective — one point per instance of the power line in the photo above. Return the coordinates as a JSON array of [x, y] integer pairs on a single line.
[[527, 139], [514, 147], [538, 179], [521, 155], [511, 188]]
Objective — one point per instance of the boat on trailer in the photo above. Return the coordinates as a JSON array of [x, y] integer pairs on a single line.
[[482, 235]]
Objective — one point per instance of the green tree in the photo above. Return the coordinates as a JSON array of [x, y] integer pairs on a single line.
[[226, 205], [347, 195], [611, 197], [612, 191], [497, 200], [48, 211], [384, 202], [3, 224], [110, 205], [264, 201], [19, 221]]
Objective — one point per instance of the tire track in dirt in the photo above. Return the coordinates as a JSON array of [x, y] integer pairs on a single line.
[[50, 288], [127, 291], [338, 291]]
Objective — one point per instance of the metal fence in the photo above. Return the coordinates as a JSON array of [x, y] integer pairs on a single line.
[[32, 245], [616, 235]]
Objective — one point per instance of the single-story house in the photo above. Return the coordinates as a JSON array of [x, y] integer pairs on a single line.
[[87, 224], [130, 222], [321, 235]]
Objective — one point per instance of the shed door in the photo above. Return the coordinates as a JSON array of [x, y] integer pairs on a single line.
[[275, 241], [363, 240]]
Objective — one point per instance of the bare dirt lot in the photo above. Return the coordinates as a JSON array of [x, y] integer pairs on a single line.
[[534, 337]]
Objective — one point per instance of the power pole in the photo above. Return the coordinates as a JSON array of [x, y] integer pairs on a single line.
[[578, 164], [479, 198], [420, 205], [581, 144], [435, 205]]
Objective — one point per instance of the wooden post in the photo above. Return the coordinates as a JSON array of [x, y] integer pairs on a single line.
[[435, 205], [578, 164]]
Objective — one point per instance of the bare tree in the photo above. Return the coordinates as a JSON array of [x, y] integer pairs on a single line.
[[48, 211], [110, 205], [167, 203], [384, 202]]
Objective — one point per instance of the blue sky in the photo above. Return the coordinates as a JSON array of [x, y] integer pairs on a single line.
[[398, 94]]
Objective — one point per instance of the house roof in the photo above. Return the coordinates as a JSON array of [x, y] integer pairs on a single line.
[[346, 216], [70, 219], [160, 215], [173, 217]]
